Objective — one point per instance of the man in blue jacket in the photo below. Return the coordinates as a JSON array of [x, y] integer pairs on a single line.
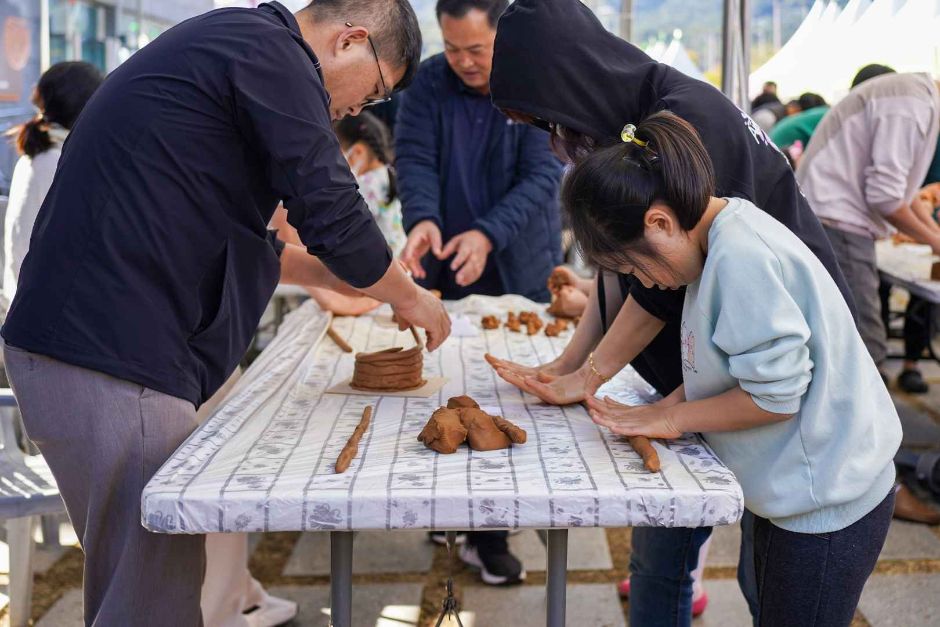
[[478, 191]]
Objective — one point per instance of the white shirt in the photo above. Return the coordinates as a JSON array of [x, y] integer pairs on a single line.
[[32, 178]]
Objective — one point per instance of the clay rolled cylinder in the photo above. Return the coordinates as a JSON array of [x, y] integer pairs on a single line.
[[644, 447]]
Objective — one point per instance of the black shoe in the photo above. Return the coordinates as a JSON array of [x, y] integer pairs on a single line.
[[912, 382], [496, 569], [440, 537]]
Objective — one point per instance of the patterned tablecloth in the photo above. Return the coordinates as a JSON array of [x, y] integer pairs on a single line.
[[264, 460], [908, 265]]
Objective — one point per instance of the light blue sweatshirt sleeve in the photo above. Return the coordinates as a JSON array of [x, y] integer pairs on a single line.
[[762, 329]]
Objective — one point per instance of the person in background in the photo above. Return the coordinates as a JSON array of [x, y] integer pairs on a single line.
[[792, 134], [883, 134], [367, 146], [767, 96], [478, 191], [59, 98], [478, 197]]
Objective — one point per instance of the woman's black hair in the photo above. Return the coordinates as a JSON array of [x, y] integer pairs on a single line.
[[61, 94], [371, 131], [610, 190]]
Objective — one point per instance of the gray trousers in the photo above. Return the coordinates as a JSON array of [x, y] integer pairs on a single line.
[[104, 438], [856, 255]]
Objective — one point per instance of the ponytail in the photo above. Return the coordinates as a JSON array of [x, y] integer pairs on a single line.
[[61, 95], [32, 138], [371, 131], [609, 192]]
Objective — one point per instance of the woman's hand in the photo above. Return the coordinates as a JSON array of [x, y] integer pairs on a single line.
[[652, 421], [556, 367], [565, 389]]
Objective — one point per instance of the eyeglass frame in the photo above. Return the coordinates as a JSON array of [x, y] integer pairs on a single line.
[[371, 102]]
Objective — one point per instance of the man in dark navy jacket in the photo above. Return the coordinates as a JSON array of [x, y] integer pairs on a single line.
[[150, 262], [478, 191]]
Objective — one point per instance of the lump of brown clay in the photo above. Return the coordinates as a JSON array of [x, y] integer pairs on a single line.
[[516, 434], [463, 420], [394, 369], [490, 322], [462, 401], [482, 432], [444, 432], [935, 272], [556, 328], [557, 280], [513, 323]]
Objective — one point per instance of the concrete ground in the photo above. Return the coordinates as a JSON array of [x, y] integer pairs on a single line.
[[400, 576]]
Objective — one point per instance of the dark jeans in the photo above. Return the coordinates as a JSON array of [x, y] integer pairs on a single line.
[[916, 322], [660, 575], [816, 579]]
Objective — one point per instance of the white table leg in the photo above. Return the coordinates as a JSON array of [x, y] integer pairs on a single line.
[[341, 558], [556, 583]]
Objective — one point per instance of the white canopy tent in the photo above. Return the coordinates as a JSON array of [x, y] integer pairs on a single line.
[[832, 44], [676, 55]]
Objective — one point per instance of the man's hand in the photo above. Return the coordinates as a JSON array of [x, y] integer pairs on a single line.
[[424, 237], [426, 311], [472, 249]]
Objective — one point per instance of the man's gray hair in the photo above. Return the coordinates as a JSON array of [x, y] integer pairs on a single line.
[[392, 25]]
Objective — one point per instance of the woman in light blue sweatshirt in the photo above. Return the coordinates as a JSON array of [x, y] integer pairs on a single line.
[[775, 374]]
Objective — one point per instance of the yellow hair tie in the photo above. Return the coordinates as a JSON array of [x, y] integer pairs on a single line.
[[628, 135]]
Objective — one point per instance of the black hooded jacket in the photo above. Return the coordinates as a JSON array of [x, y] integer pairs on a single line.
[[554, 60]]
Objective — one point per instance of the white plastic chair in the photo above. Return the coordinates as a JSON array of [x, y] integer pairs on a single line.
[[27, 491]]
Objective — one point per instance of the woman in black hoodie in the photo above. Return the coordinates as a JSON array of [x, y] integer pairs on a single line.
[[555, 66]]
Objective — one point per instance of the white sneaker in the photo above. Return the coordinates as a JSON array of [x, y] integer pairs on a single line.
[[272, 612]]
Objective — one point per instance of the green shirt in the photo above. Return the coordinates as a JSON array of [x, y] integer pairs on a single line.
[[799, 126]]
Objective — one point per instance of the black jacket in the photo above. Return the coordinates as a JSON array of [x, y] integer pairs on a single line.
[[150, 259], [554, 60]]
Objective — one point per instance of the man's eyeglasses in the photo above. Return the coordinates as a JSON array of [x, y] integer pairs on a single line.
[[387, 96]]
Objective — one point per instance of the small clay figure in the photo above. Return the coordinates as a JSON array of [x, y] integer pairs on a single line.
[[556, 328], [513, 323], [351, 449], [490, 322], [394, 369], [526, 316], [532, 327], [458, 402], [444, 432], [482, 432]]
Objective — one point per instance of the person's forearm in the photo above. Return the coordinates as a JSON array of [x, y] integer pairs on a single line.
[[299, 267], [395, 288], [586, 335], [632, 331], [907, 222], [733, 410], [677, 396]]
